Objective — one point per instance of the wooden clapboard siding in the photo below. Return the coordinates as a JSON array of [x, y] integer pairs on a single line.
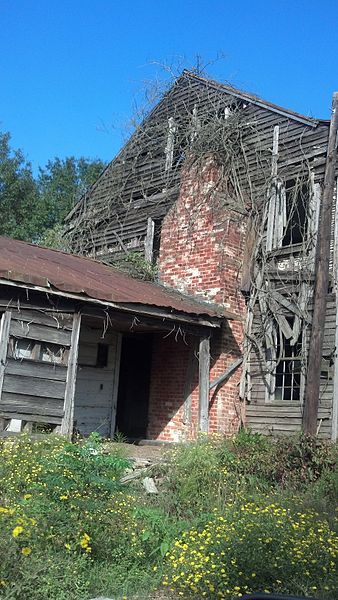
[[22, 329], [23, 384], [36, 369], [287, 417], [32, 418], [33, 390], [112, 218], [17, 299], [284, 418], [29, 404], [56, 320]]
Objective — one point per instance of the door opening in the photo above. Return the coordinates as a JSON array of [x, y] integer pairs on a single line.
[[134, 385]]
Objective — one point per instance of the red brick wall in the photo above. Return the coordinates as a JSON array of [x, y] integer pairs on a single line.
[[168, 388], [201, 254]]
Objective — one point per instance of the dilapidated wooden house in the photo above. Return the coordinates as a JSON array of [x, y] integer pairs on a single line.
[[216, 195]]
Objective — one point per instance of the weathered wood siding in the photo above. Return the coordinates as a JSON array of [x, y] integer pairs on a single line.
[[33, 390], [96, 387], [286, 417], [111, 219]]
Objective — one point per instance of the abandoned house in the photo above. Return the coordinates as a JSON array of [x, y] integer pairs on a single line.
[[216, 200]]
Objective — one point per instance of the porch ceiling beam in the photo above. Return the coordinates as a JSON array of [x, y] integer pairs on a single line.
[[141, 323]]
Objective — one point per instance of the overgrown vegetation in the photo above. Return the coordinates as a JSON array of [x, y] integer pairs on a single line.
[[231, 516]]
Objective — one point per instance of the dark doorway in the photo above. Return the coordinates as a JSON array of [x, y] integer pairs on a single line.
[[134, 383]]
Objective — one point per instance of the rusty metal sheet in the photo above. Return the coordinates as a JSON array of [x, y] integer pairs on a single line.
[[52, 269]]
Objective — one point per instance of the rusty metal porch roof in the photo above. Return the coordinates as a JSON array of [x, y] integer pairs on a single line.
[[24, 263]]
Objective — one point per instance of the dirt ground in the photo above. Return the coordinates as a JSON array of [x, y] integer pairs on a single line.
[[151, 452]]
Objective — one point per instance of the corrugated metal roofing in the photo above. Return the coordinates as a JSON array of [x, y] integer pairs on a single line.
[[21, 262]]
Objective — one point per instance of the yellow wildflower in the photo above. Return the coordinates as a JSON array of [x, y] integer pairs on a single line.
[[26, 551], [17, 530]]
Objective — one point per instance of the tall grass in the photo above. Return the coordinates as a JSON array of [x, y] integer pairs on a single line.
[[69, 529]]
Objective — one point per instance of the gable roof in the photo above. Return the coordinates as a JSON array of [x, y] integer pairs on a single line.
[[85, 278], [220, 87], [111, 219], [242, 95]]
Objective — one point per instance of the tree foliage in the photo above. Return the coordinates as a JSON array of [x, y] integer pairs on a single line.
[[33, 209], [19, 198], [62, 182]]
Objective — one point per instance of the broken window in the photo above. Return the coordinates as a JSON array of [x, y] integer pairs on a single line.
[[289, 367], [23, 348], [297, 202], [287, 213]]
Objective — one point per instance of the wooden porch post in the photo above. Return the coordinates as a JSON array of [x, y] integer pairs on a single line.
[[322, 280], [5, 322], [204, 376], [68, 417]]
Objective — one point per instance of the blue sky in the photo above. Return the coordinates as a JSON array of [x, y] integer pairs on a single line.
[[70, 70]]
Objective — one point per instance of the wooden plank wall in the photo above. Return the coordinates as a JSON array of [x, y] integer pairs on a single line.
[[286, 417], [112, 218], [95, 386], [34, 390]]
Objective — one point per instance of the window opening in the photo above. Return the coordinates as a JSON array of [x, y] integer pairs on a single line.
[[288, 369], [102, 355], [297, 201], [152, 240], [23, 348], [157, 240]]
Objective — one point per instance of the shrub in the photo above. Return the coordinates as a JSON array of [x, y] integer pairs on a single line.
[[251, 548], [204, 474]]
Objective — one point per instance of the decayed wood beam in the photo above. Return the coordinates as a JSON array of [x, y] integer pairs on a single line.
[[314, 217], [169, 149], [321, 282], [149, 240], [334, 431], [230, 370], [204, 375], [4, 336], [68, 417], [116, 377], [273, 191]]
